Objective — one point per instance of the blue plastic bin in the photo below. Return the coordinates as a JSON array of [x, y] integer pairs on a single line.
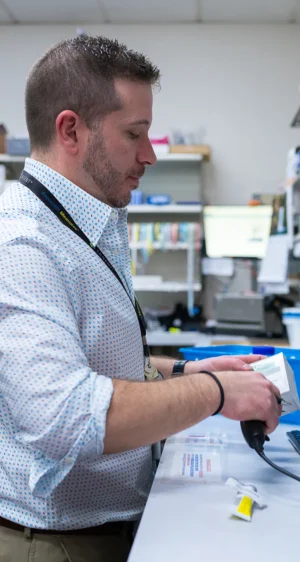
[[292, 356]]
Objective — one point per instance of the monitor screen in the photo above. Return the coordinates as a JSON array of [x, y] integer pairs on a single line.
[[237, 231]]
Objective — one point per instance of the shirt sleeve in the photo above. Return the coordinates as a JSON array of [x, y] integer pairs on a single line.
[[58, 404]]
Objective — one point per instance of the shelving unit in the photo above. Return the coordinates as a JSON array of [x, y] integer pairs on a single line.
[[166, 287], [293, 210], [160, 246], [165, 209], [178, 264]]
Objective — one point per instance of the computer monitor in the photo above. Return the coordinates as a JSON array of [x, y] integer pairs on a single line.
[[237, 231]]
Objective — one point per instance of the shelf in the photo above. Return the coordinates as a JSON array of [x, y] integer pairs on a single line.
[[198, 339], [163, 209], [168, 157], [178, 339], [159, 246], [8, 158], [178, 157], [166, 287]]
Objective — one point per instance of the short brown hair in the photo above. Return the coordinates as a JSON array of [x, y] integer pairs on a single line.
[[79, 74]]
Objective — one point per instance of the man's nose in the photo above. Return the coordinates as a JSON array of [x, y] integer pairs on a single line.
[[147, 155]]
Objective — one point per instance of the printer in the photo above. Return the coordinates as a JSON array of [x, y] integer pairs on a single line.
[[249, 314]]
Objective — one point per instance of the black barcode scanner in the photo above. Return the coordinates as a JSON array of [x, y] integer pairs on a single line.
[[254, 434]]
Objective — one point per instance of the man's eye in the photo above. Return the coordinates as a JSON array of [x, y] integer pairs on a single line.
[[133, 135]]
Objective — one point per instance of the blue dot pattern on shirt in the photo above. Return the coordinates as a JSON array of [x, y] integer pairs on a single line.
[[66, 328]]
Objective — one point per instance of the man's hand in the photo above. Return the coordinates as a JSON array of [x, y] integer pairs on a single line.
[[223, 363], [250, 396]]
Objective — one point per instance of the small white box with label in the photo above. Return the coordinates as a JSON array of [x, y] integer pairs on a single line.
[[278, 371]]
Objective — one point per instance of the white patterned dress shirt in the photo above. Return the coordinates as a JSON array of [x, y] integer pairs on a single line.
[[66, 328]]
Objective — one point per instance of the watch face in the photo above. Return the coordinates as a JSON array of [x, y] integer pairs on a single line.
[[178, 368]]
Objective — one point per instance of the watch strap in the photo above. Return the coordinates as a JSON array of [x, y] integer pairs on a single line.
[[178, 367]]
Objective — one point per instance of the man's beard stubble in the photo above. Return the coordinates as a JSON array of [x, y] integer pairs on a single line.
[[97, 164]]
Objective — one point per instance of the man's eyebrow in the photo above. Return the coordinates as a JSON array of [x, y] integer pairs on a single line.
[[140, 122]]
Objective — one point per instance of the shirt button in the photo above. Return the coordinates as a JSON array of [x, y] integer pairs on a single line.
[[69, 460]]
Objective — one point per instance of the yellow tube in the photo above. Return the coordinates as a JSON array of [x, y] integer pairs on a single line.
[[243, 508]]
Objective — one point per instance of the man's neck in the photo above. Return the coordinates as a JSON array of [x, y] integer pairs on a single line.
[[67, 171], [50, 161]]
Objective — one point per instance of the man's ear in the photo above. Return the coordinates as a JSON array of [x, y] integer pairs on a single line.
[[68, 126]]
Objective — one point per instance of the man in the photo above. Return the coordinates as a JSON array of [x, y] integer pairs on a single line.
[[79, 413]]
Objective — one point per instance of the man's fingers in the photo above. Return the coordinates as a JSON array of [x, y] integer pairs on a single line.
[[243, 362], [238, 364], [276, 410], [276, 394], [277, 406], [271, 424], [251, 358], [277, 399]]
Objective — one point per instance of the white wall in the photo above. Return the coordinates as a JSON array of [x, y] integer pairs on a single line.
[[240, 82]]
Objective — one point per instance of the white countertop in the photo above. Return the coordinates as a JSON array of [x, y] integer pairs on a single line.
[[187, 520]]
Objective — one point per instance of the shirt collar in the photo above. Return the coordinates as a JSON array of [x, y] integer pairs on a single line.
[[90, 214]]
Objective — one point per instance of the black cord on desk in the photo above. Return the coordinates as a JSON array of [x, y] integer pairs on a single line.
[[273, 465]]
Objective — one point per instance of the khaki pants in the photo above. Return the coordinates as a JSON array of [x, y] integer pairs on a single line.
[[19, 546]]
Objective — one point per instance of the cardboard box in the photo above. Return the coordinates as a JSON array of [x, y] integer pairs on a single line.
[[202, 149], [2, 144]]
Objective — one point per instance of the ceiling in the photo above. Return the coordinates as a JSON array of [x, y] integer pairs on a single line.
[[148, 11]]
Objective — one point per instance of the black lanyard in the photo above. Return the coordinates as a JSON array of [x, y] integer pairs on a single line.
[[55, 206]]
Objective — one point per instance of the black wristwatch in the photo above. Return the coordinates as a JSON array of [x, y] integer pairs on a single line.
[[178, 367]]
